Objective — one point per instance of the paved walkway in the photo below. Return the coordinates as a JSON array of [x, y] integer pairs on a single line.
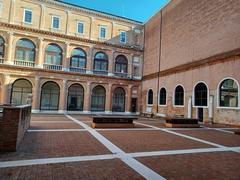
[[66, 147]]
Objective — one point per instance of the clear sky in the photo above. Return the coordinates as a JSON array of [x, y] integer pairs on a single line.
[[140, 10]]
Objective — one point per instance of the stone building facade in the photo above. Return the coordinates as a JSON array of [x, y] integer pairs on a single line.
[[192, 61], [69, 58]]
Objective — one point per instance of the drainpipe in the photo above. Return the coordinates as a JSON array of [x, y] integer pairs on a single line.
[[159, 60]]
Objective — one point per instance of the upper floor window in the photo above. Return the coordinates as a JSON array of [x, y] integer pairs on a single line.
[[55, 22], [123, 37], [27, 18], [2, 47], [121, 64], [228, 93], [179, 96], [100, 62], [102, 32], [25, 50], [80, 27], [150, 97], [53, 55], [78, 58]]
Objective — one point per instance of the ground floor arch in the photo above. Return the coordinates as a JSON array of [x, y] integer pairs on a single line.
[[75, 98], [50, 92], [118, 100], [21, 92], [98, 98]]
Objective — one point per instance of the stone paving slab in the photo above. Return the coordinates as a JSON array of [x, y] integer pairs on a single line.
[[37, 145], [54, 125], [223, 138], [218, 165], [142, 141], [91, 170]]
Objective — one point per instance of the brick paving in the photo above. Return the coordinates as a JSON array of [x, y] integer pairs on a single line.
[[218, 165], [53, 140], [226, 139], [141, 141], [56, 144], [92, 170]]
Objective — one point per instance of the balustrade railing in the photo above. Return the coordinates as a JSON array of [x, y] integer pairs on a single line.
[[24, 63], [100, 72], [1, 60], [120, 74], [52, 67], [77, 69]]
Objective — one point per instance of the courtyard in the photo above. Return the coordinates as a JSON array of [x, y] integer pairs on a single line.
[[66, 147]]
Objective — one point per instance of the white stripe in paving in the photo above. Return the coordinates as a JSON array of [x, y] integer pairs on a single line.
[[131, 162], [219, 129], [184, 151], [51, 122], [56, 130], [18, 163]]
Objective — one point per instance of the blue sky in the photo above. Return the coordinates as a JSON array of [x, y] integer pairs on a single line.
[[140, 10]]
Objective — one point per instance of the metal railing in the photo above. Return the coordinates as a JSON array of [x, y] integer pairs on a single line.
[[52, 67], [77, 69], [120, 74], [24, 63], [101, 72]]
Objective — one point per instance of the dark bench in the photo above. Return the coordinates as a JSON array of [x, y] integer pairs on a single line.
[[182, 123], [112, 121]]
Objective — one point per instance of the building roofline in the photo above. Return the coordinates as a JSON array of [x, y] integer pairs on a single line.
[[100, 12]]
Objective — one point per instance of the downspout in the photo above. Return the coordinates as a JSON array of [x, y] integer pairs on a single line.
[[159, 60]]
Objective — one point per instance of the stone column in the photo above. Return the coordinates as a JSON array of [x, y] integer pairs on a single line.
[[108, 104], [65, 63], [6, 88], [12, 11], [189, 107], [111, 63], [87, 100], [36, 95], [68, 25], [40, 58], [10, 51], [128, 99], [63, 97], [42, 17]]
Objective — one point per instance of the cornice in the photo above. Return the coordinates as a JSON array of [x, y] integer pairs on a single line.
[[90, 11], [64, 36], [220, 58]]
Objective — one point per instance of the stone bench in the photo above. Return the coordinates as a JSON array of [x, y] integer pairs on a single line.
[[111, 121], [181, 122], [14, 122]]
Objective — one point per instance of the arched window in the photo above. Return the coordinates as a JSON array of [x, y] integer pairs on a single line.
[[121, 64], [50, 96], [150, 97], [100, 65], [21, 90], [179, 96], [78, 58], [118, 100], [2, 48], [162, 96], [25, 50], [53, 55], [75, 98], [228, 93], [200, 95], [98, 99]]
